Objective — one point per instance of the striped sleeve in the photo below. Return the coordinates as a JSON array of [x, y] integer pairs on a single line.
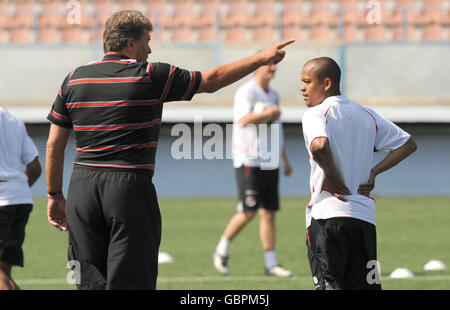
[[58, 114], [175, 83]]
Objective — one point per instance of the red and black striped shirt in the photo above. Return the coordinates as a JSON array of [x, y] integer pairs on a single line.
[[115, 108]]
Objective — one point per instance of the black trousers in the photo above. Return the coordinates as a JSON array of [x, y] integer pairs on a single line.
[[114, 226], [342, 254]]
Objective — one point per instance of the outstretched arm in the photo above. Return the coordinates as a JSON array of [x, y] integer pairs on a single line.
[[333, 183], [392, 159], [224, 75]]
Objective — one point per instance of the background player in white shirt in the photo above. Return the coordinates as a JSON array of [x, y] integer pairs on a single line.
[[257, 175], [19, 170], [341, 136]]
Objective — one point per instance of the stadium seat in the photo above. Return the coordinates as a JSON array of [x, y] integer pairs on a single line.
[[73, 34], [264, 34], [130, 5], [181, 34], [401, 33], [348, 11], [20, 35], [182, 15], [445, 18], [53, 6], [23, 5], [350, 33], [432, 32], [264, 13], [106, 6], [207, 34], [320, 33], [235, 34], [369, 13], [103, 10], [154, 9], [292, 12], [291, 32], [431, 11], [208, 14], [22, 17], [375, 33], [3, 15], [403, 11], [48, 35], [237, 14], [321, 13], [51, 18]]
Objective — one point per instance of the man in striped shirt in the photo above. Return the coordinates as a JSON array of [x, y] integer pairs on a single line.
[[115, 107]]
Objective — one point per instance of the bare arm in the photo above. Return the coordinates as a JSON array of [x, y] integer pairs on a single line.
[[287, 165], [224, 75], [56, 144], [333, 183], [391, 160], [256, 118], [33, 171]]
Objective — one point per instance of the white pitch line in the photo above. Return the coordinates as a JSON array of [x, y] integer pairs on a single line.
[[41, 281], [230, 278], [227, 278]]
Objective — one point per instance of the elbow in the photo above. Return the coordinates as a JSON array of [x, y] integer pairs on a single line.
[[36, 172], [413, 145], [208, 83], [54, 147], [319, 148]]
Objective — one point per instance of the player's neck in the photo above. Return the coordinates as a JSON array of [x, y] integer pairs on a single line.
[[263, 83], [334, 93], [122, 52]]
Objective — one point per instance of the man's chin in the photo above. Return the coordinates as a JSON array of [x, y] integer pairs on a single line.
[[309, 104]]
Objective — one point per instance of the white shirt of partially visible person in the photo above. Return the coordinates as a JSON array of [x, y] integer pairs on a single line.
[[17, 150], [354, 133], [249, 148]]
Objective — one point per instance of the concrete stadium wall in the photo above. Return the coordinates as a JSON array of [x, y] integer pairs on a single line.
[[32, 74]]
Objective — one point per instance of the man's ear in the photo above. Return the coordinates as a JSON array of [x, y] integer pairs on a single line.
[[131, 43], [327, 83]]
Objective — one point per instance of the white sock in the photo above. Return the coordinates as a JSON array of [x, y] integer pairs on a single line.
[[223, 246], [270, 257]]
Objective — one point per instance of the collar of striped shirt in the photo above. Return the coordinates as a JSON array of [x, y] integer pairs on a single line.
[[116, 57]]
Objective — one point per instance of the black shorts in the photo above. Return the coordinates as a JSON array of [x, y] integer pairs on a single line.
[[114, 226], [257, 188], [13, 220], [342, 254]]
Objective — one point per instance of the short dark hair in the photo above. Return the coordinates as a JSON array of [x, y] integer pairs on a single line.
[[124, 25], [326, 67]]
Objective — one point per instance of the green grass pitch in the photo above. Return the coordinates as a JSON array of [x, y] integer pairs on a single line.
[[411, 231]]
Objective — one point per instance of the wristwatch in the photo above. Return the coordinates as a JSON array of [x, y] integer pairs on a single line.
[[54, 193]]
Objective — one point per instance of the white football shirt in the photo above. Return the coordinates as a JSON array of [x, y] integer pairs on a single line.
[[252, 145], [354, 133], [17, 150]]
